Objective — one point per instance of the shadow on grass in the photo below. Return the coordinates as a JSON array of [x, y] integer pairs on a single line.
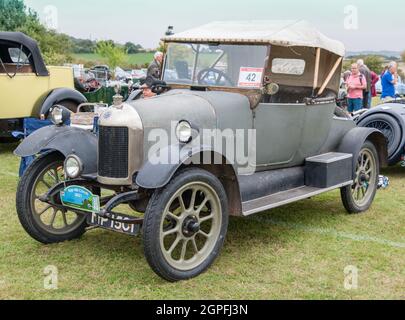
[[394, 172], [267, 226], [104, 244], [8, 147]]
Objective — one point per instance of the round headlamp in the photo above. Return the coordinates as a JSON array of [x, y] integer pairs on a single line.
[[73, 166], [57, 115], [184, 132]]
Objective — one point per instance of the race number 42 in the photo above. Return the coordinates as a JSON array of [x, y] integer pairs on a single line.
[[250, 77]]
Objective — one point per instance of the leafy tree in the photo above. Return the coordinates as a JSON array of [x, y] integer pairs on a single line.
[[347, 64], [132, 48], [83, 45], [114, 55], [55, 47], [403, 56], [374, 63], [13, 14]]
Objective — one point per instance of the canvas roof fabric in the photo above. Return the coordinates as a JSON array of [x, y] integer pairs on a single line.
[[275, 32], [31, 45]]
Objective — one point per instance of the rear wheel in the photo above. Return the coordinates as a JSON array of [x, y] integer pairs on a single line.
[[44, 222], [185, 225], [358, 197]]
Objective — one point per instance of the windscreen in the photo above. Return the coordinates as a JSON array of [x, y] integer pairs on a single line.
[[238, 66]]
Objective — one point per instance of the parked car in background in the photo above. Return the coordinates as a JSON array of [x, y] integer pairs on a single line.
[[389, 118], [399, 88], [27, 87], [102, 73], [96, 92], [270, 85]]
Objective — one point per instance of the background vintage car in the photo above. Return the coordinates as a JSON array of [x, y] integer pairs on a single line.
[[29, 88], [389, 118]]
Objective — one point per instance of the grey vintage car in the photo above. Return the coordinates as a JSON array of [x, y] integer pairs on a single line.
[[243, 121]]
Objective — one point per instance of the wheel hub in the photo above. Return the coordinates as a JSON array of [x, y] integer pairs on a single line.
[[363, 177], [191, 226]]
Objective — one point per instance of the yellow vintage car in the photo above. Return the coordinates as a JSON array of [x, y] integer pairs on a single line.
[[27, 87]]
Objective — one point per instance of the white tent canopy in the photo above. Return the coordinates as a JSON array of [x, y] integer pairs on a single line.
[[281, 33]]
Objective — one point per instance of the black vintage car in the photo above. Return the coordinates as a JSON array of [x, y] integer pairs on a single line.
[[389, 118]]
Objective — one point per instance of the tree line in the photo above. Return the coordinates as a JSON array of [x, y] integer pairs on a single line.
[[58, 48]]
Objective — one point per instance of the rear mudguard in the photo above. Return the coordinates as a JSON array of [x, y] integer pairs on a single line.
[[354, 140], [58, 95], [66, 140]]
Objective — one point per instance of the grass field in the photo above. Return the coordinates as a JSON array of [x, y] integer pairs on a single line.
[[133, 59], [299, 251]]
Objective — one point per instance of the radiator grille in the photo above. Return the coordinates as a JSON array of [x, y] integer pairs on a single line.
[[113, 152]]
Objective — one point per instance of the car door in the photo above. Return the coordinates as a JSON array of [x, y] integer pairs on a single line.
[[279, 130], [318, 123]]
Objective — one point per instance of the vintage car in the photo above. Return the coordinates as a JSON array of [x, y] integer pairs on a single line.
[[96, 92], [389, 118], [268, 89], [27, 87]]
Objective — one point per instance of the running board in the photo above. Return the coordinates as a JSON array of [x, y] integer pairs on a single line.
[[282, 198]]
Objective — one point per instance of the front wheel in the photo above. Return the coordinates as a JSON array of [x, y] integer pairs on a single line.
[[358, 197], [44, 222], [185, 225]]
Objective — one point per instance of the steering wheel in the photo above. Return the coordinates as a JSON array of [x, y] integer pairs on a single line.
[[203, 74]]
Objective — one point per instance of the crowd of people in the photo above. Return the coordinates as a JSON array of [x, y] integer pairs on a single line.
[[361, 83]]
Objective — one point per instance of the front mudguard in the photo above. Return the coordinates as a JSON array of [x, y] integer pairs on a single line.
[[353, 141], [66, 140], [157, 173]]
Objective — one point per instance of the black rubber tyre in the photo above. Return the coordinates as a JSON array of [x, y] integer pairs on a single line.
[[351, 204], [154, 221], [25, 206], [391, 129]]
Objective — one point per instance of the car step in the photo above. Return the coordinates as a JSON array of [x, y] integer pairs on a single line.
[[282, 198]]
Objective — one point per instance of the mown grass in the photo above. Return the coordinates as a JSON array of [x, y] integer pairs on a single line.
[[132, 59], [296, 252], [299, 251]]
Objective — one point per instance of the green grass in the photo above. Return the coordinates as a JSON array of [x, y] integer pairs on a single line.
[[132, 59], [299, 251]]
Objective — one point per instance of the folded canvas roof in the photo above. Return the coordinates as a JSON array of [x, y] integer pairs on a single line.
[[275, 32]]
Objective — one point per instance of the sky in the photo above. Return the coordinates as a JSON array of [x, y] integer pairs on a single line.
[[359, 24]]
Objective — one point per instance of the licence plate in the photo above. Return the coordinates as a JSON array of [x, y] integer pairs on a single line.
[[105, 223]]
